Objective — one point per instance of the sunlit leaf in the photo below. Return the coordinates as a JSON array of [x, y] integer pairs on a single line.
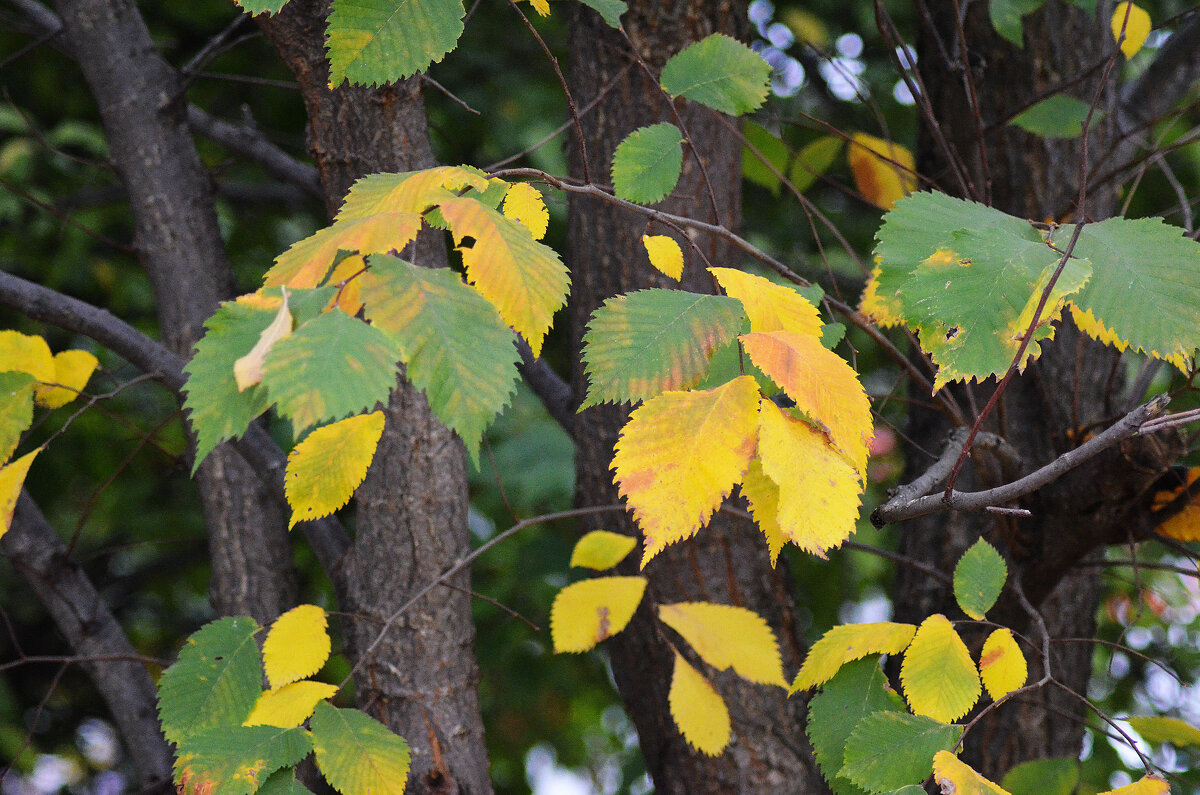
[[770, 306], [358, 754], [1157, 729], [325, 469], [647, 163], [289, 705], [72, 369], [297, 645], [16, 409], [588, 612], [371, 42], [698, 710], [1056, 116], [762, 495], [813, 160], [890, 750], [248, 370], [524, 203], [1002, 666], [665, 254], [522, 278], [978, 579], [720, 72], [680, 455], [1146, 785], [823, 386], [236, 760], [884, 171], [1057, 776], [12, 478], [728, 637], [819, 492], [602, 549], [846, 643], [939, 678], [953, 775], [1134, 24], [650, 341]]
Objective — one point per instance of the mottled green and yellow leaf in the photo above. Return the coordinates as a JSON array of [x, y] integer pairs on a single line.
[[16, 409], [939, 678], [358, 754], [846, 643], [325, 469], [372, 42], [1159, 729], [953, 775]]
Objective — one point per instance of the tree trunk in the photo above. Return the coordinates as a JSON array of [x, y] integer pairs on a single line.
[[727, 562], [412, 510], [1076, 383]]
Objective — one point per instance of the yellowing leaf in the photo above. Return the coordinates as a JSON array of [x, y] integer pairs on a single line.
[[541, 6], [1185, 525], [12, 478], [884, 172], [1002, 666], [297, 645], [822, 384], [602, 549], [1146, 785], [665, 254], [847, 643], [770, 306], [939, 678], [680, 454], [1134, 22], [349, 294], [763, 496], [1157, 729], [325, 469], [698, 710], [408, 192], [728, 637], [818, 491], [523, 202], [72, 369], [524, 280], [953, 775], [290, 705], [26, 353], [590, 611], [886, 310], [308, 261], [248, 370]]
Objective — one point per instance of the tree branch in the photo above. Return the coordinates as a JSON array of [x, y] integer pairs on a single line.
[[250, 144], [1166, 80], [555, 393]]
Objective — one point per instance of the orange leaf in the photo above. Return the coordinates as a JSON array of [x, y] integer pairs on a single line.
[[884, 172]]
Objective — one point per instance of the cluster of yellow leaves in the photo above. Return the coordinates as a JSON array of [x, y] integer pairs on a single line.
[[295, 648]]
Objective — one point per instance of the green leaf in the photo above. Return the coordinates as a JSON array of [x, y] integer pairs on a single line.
[[610, 10], [1156, 730], [1058, 116], [858, 690], [455, 345], [236, 760], [647, 163], [650, 341], [255, 7], [769, 146], [890, 750], [214, 683], [16, 410], [283, 782], [978, 579], [1006, 17], [329, 368], [1043, 777], [357, 754], [381, 41], [1145, 292], [720, 72], [814, 160], [216, 409]]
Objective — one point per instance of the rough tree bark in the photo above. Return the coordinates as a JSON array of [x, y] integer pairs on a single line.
[[727, 562], [412, 510], [1076, 383]]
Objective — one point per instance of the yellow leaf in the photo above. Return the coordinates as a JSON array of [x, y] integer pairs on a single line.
[[698, 710], [73, 369], [26, 353], [349, 294], [847, 643], [602, 549], [1002, 666], [248, 370], [590, 611], [824, 387], [1135, 23], [307, 262], [524, 203], [541, 6], [1185, 525], [297, 645], [523, 279], [324, 470], [818, 491], [681, 453], [770, 306], [665, 254], [939, 678], [763, 496], [953, 775], [411, 192], [290, 705], [1146, 785], [728, 637], [12, 478], [884, 172]]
